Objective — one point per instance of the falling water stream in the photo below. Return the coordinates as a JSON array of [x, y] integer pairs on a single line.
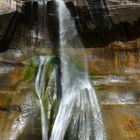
[[39, 29], [79, 111], [40, 83], [40, 90], [79, 104], [41, 17]]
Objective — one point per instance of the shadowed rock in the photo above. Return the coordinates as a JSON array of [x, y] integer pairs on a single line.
[[99, 22]]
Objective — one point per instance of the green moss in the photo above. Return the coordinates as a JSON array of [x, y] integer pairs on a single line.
[[31, 67], [54, 60], [93, 77]]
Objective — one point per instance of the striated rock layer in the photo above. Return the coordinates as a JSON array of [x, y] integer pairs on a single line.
[[99, 22]]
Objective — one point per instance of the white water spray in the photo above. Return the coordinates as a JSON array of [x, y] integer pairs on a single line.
[[79, 104]]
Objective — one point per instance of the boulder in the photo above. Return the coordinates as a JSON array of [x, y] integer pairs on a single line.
[[7, 6]]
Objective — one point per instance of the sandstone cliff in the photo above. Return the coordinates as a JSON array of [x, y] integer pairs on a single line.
[[99, 22]]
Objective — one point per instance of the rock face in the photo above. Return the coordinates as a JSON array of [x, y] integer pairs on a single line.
[[124, 10], [7, 6], [8, 22], [105, 20], [101, 22], [105, 11]]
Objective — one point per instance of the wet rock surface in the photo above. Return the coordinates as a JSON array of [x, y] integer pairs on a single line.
[[116, 78], [114, 71]]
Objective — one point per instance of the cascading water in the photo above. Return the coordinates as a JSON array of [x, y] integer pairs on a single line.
[[79, 108], [41, 17], [39, 29], [79, 105], [40, 90]]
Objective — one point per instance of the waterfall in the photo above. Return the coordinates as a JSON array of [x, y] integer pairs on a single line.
[[39, 29], [41, 17], [79, 107], [79, 110], [40, 90]]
